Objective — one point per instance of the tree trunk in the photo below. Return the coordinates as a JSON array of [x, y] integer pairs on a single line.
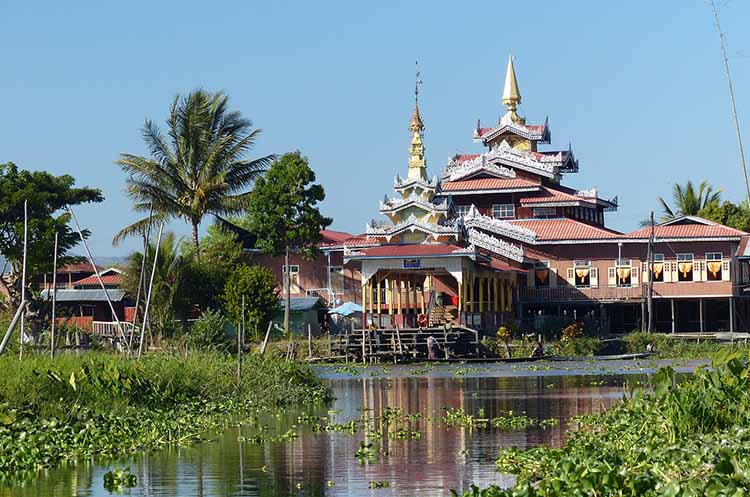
[[287, 291], [195, 239]]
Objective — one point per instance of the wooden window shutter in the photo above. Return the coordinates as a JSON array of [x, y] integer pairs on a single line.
[[611, 276], [571, 276], [698, 269], [725, 274], [667, 272], [594, 277], [634, 276]]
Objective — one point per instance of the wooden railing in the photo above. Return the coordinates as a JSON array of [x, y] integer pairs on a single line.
[[109, 328], [567, 293]]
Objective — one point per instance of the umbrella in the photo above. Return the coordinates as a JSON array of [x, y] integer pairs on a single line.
[[346, 309]]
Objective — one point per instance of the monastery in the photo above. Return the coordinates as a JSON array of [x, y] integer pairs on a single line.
[[496, 236]]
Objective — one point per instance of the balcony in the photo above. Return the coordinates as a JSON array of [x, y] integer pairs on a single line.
[[570, 293]]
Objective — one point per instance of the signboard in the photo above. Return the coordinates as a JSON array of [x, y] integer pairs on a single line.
[[412, 263]]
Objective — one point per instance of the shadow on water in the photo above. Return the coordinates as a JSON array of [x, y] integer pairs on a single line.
[[317, 464]]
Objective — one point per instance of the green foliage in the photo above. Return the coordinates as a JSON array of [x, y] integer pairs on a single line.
[[104, 405], [258, 285], [577, 347], [47, 195], [283, 208], [671, 348], [198, 169], [209, 330], [119, 479], [678, 438], [689, 201], [730, 214], [573, 331]]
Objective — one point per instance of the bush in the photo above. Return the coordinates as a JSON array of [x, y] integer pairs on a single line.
[[583, 346], [209, 331], [258, 286]]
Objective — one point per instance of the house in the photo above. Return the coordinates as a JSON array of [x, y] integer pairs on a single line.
[[497, 236]]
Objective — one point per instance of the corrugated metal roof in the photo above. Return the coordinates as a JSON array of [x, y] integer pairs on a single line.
[[71, 295], [564, 229], [696, 230], [487, 184]]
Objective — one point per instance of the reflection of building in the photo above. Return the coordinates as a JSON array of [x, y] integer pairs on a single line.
[[498, 234]]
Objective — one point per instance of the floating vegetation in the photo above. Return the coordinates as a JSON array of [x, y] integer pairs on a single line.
[[119, 479], [62, 409], [365, 453], [350, 369], [378, 484], [677, 438]]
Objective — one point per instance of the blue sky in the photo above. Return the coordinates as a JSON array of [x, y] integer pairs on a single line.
[[637, 87]]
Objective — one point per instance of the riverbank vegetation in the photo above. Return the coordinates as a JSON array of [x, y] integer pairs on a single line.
[[97, 404], [667, 347], [680, 439]]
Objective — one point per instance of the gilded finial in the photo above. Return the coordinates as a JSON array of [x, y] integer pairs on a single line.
[[416, 123], [511, 94], [417, 163]]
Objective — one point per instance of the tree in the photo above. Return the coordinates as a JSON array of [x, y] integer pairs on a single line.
[[199, 169], [687, 201], [258, 286], [283, 213], [47, 196]]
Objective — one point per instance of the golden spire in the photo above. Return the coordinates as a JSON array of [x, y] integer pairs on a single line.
[[417, 163], [511, 94]]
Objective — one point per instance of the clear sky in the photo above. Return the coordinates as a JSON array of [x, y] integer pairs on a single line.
[[637, 87]]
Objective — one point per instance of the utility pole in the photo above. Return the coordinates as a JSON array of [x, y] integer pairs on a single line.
[[54, 299], [731, 96], [23, 273], [650, 269]]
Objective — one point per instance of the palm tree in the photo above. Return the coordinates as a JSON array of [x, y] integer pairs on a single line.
[[687, 201], [198, 169]]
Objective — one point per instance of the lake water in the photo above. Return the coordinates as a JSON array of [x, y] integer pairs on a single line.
[[324, 463]]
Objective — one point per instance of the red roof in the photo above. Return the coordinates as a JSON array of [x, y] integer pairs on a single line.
[[742, 248], [112, 278], [83, 267], [488, 184], [501, 265], [465, 157], [550, 195], [696, 230], [564, 229], [411, 250], [331, 236]]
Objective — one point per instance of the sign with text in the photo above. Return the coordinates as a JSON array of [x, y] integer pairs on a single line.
[[412, 263]]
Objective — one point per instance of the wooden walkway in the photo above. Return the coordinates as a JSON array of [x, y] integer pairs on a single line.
[[401, 344]]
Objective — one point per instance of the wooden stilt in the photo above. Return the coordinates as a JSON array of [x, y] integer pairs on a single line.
[[481, 293], [377, 289], [390, 288], [471, 292]]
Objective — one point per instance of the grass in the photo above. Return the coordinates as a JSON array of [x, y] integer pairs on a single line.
[[100, 404], [677, 439]]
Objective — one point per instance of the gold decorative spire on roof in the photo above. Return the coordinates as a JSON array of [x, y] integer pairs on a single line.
[[511, 94], [417, 163]]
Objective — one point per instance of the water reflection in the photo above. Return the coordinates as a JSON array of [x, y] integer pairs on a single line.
[[318, 464]]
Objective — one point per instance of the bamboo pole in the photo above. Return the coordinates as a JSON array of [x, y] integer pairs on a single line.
[[265, 339], [391, 296], [12, 326], [377, 289], [141, 275], [240, 332], [54, 300], [98, 277], [23, 271], [150, 288], [309, 340], [398, 295]]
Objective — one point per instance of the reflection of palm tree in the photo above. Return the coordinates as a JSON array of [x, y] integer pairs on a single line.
[[687, 201]]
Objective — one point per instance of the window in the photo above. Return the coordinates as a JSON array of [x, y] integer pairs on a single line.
[[624, 273], [657, 269], [544, 212], [684, 267], [503, 210], [294, 286], [541, 275], [337, 278], [713, 266], [462, 210], [582, 272]]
